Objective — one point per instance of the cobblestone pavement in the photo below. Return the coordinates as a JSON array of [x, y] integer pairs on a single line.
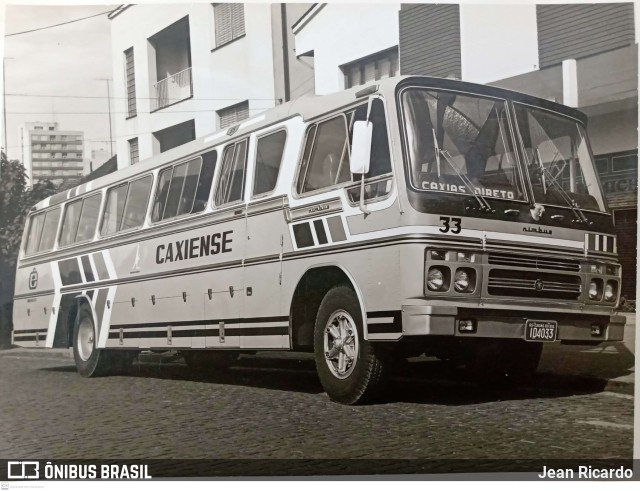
[[269, 408]]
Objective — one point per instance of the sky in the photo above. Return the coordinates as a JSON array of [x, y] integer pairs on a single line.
[[67, 62]]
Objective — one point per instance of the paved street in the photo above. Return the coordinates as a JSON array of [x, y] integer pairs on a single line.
[[275, 408]]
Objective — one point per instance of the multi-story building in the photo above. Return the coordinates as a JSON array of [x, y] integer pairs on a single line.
[[184, 70], [583, 55], [50, 153]]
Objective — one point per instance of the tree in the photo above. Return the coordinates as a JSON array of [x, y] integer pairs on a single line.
[[15, 202]]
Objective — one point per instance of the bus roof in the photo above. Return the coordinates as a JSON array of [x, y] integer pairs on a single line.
[[308, 107]]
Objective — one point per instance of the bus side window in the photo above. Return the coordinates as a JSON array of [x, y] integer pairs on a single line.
[[231, 183], [49, 229], [203, 190], [70, 222], [112, 216], [161, 194], [329, 154], [176, 190], [35, 230], [269, 153], [88, 218], [135, 208]]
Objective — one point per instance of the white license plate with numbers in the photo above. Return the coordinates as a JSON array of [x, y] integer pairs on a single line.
[[537, 330]]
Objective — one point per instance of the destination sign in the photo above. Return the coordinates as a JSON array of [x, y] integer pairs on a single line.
[[453, 188]]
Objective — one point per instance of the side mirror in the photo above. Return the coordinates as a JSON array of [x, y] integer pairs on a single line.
[[361, 147]]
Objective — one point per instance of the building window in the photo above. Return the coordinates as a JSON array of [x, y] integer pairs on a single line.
[[229, 22], [375, 67], [233, 114], [52, 138], [131, 83], [625, 163], [174, 136], [38, 127], [133, 151]]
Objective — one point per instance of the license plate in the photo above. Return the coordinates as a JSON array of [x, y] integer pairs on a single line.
[[545, 331]]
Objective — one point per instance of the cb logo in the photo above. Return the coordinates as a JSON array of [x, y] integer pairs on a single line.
[[23, 469]]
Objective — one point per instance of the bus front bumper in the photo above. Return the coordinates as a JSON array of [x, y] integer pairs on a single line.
[[494, 323]]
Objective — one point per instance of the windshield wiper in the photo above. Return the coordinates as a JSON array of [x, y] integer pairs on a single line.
[[553, 181], [482, 202]]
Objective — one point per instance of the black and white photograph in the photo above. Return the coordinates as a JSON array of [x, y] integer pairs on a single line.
[[320, 241]]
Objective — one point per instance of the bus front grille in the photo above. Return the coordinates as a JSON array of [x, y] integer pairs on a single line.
[[534, 262], [534, 284]]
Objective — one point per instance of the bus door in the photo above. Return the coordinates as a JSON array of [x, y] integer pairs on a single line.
[[266, 320], [224, 285], [265, 323]]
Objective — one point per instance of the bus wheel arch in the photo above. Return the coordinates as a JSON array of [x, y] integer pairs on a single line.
[[310, 290], [70, 320]]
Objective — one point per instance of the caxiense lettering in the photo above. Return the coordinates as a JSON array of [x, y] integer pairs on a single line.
[[206, 245]]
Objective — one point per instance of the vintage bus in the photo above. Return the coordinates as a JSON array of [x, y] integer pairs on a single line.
[[410, 216]]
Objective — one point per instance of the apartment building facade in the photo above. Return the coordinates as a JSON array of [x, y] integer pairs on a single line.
[[181, 71], [536, 49], [51, 153]]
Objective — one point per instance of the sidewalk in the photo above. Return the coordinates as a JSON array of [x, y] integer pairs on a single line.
[[611, 362]]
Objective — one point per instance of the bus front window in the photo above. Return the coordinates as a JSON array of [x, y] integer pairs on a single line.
[[557, 156], [460, 144]]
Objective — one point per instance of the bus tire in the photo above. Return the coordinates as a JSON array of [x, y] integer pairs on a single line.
[[209, 361], [350, 369], [90, 361]]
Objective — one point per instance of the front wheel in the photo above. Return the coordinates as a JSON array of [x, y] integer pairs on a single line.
[[350, 368]]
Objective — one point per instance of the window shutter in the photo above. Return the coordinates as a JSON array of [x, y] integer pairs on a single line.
[[237, 19], [233, 114], [229, 22], [131, 83]]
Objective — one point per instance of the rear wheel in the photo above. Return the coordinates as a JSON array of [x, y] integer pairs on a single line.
[[350, 368], [90, 361]]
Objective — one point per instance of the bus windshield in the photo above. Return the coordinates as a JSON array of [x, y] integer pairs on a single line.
[[463, 144], [460, 144], [558, 160]]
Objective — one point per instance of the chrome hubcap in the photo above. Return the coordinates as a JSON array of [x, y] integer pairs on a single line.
[[341, 344], [85, 339]]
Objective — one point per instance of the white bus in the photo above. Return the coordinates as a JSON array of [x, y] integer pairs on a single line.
[[413, 215]]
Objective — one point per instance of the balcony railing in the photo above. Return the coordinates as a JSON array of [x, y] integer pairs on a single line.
[[174, 88]]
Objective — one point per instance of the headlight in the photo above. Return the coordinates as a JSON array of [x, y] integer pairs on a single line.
[[435, 279], [595, 289], [610, 291], [461, 281]]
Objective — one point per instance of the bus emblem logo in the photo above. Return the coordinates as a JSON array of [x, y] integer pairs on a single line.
[[33, 279], [539, 285]]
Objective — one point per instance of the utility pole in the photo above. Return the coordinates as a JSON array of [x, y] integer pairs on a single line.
[[4, 110], [109, 102]]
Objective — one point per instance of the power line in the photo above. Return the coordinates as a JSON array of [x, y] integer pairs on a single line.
[[86, 113], [57, 25], [137, 97]]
